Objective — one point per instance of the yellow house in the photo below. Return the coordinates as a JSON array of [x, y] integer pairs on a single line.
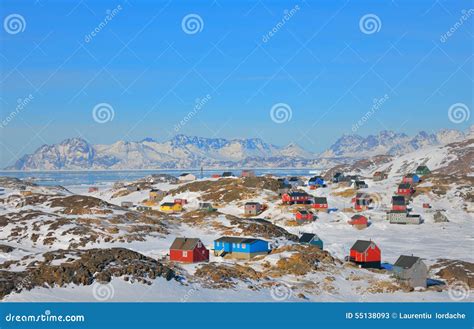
[[171, 207]]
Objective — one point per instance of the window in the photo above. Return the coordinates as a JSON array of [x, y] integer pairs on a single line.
[[233, 245], [238, 245], [185, 254], [244, 245], [199, 244]]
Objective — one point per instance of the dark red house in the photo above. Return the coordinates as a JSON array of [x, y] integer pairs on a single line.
[[303, 216], [188, 250], [399, 203], [359, 220], [366, 254], [405, 189], [320, 203], [296, 197]]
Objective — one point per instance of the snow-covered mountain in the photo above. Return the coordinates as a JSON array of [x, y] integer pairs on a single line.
[[193, 152], [389, 142]]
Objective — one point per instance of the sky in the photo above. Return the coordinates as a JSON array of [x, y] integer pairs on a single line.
[[284, 71]]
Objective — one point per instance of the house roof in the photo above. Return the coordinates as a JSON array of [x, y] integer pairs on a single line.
[[298, 194], [361, 245], [411, 175], [398, 200], [252, 203], [308, 237], [156, 190], [185, 174], [236, 239], [294, 179], [184, 243], [404, 186], [406, 261], [361, 195], [167, 204], [422, 167], [303, 211], [227, 173], [320, 200], [358, 217]]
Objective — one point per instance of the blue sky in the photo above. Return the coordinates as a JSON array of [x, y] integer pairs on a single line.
[[318, 61]]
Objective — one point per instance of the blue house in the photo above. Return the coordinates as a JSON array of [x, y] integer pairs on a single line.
[[312, 239], [316, 181], [241, 248]]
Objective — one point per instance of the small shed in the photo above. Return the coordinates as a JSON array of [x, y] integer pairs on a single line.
[[206, 206], [359, 221], [156, 194], [312, 239], [360, 184], [411, 271]]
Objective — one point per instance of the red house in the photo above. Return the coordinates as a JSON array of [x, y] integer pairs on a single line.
[[399, 203], [303, 216], [296, 197], [366, 254], [181, 201], [188, 250], [359, 221], [405, 189], [320, 203]]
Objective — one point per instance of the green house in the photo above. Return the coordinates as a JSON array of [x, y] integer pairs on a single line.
[[422, 170]]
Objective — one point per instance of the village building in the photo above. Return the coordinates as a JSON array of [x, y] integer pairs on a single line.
[[316, 181], [283, 189], [181, 201], [295, 182], [360, 184], [422, 170], [311, 239], [126, 204], [247, 173], [359, 221], [186, 177], [403, 217], [93, 189], [252, 208], [206, 206], [338, 177], [379, 176], [303, 216], [439, 217], [405, 189], [143, 208], [296, 198], [227, 174], [171, 207], [320, 203], [399, 203], [366, 254], [240, 248], [132, 188], [156, 195], [411, 179], [188, 250], [410, 271]]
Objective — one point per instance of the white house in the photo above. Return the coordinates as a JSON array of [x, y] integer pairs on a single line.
[[186, 177]]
